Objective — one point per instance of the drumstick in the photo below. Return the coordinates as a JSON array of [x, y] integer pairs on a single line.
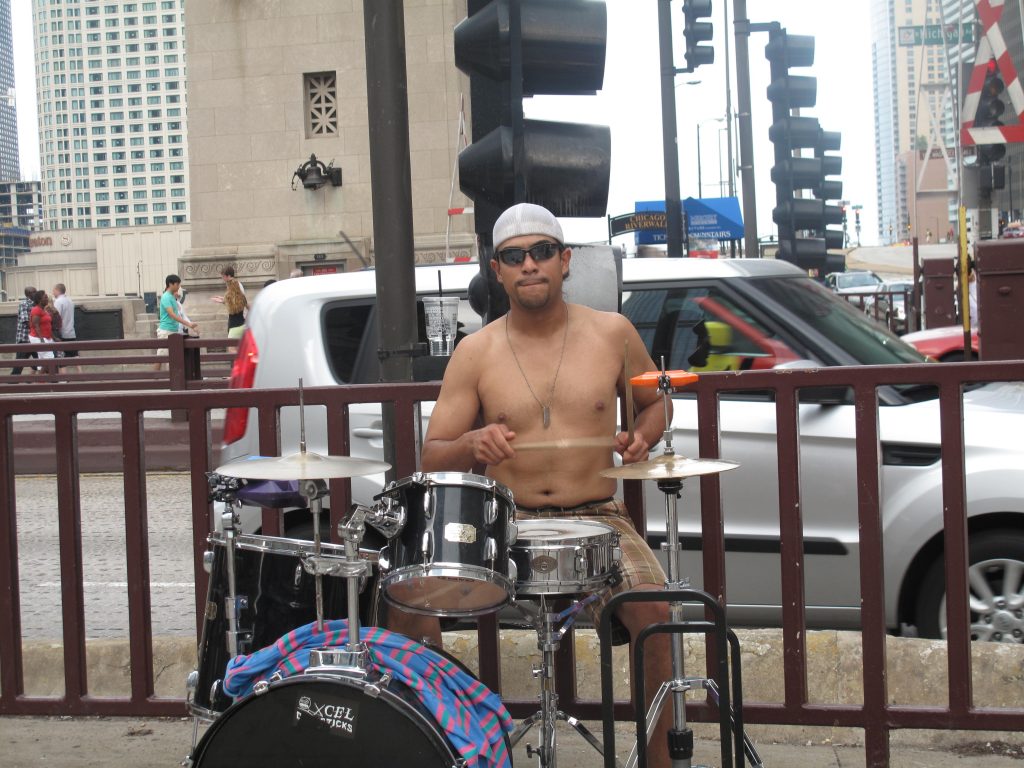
[[565, 443], [629, 394]]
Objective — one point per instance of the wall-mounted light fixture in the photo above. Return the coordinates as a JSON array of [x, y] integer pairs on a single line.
[[314, 174]]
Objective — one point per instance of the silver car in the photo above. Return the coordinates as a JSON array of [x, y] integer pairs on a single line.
[[734, 314]]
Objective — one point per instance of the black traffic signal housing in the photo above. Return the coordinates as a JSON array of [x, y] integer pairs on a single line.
[[804, 237], [513, 49], [697, 31], [990, 110]]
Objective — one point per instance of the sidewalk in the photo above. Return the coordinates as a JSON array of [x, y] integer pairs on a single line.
[[29, 742]]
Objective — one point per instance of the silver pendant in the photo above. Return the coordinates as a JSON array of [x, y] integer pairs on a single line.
[[545, 416]]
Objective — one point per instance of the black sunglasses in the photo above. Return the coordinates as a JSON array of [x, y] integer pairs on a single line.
[[543, 251]]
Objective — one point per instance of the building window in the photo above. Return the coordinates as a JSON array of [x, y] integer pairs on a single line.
[[321, 97]]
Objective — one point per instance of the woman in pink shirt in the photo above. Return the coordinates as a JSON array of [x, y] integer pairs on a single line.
[[40, 325]]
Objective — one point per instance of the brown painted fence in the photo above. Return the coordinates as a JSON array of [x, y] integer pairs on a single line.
[[876, 716], [122, 364]]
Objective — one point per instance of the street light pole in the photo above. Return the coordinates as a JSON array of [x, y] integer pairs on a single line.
[[700, 184], [700, 180]]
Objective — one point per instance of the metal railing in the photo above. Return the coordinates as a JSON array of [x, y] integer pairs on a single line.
[[876, 716], [120, 364]]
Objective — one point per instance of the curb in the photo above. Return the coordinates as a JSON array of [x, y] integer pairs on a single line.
[[916, 675]]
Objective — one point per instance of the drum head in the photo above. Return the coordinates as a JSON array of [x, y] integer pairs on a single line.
[[325, 721], [553, 531]]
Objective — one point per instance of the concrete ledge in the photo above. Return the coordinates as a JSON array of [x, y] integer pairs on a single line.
[[917, 675]]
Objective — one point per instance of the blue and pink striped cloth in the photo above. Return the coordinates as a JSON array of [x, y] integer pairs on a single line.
[[471, 715]]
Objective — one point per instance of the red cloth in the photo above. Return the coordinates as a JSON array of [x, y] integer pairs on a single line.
[[44, 322]]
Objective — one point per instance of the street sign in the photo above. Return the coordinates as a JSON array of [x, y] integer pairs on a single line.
[[638, 221], [935, 34]]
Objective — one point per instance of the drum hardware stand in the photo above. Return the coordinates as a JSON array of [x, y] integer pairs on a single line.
[[225, 489], [548, 641], [354, 657]]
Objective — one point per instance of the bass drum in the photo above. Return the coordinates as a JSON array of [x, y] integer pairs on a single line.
[[327, 720]]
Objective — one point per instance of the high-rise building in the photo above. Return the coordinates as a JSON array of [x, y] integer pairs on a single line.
[[914, 86], [110, 79], [9, 167]]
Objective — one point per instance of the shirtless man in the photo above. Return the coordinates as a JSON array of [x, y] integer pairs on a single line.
[[548, 371]]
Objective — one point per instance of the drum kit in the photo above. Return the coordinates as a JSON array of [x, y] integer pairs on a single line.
[[452, 548]]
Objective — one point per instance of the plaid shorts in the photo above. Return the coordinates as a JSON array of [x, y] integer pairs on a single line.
[[638, 565]]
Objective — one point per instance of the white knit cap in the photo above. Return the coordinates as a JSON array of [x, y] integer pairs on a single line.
[[526, 219]]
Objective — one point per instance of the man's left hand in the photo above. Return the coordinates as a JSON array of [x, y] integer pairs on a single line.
[[633, 452]]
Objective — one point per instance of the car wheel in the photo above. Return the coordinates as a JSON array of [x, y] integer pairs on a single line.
[[996, 584]]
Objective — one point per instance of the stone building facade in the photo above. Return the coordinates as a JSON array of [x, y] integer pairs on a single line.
[[274, 82]]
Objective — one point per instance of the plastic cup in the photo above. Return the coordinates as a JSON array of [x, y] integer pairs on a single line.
[[441, 314]]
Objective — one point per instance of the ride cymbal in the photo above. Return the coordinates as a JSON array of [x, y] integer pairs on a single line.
[[302, 466], [670, 467]]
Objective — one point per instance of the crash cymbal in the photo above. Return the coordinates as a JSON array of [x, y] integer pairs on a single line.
[[567, 443], [302, 466], [671, 467]]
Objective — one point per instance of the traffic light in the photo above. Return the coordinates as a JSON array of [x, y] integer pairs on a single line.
[[696, 32], [990, 110], [513, 49], [793, 173]]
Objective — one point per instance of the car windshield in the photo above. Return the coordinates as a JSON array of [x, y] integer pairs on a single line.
[[857, 280], [846, 327]]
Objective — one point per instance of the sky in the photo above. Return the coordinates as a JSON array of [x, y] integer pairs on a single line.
[[630, 103]]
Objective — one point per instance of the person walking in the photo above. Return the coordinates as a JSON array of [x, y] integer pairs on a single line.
[[41, 327], [21, 330], [66, 308], [234, 301], [171, 320]]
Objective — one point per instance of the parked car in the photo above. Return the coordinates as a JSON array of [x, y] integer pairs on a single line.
[[756, 314], [859, 287], [945, 344], [853, 281], [890, 304]]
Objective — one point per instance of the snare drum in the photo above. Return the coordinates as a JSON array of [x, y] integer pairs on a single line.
[[274, 594], [555, 556], [451, 556]]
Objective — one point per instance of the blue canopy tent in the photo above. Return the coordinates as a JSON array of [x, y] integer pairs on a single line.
[[713, 218]]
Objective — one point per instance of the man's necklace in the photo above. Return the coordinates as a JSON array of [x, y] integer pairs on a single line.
[[545, 408]]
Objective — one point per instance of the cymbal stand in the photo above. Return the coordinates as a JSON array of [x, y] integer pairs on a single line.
[[548, 641], [677, 588]]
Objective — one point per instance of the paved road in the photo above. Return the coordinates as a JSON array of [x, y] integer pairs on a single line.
[[891, 262], [103, 555]]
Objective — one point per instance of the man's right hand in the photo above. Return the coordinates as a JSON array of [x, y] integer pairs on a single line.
[[490, 444]]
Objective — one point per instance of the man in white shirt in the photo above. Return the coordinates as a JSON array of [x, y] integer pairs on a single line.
[[66, 308]]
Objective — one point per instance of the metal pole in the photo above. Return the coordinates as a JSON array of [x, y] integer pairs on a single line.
[[700, 180], [673, 212], [391, 174], [740, 22], [728, 113]]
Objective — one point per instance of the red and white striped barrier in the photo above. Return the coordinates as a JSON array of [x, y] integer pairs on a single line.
[[992, 46]]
